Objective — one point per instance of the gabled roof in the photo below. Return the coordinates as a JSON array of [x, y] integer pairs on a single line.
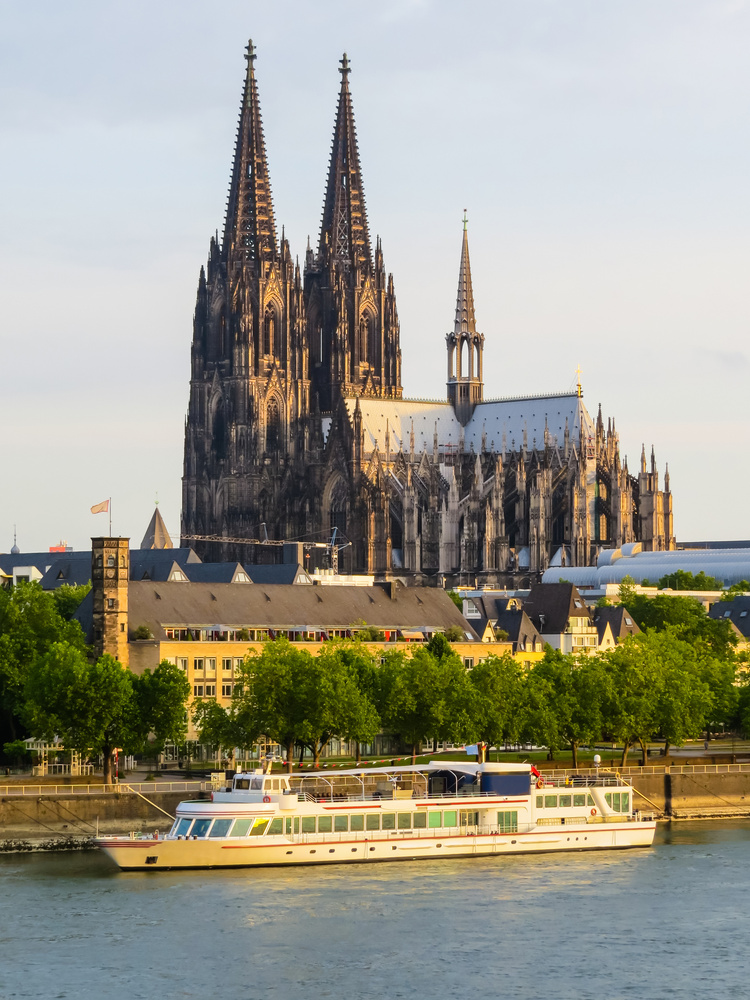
[[550, 606], [281, 573], [218, 573], [281, 607], [520, 628], [620, 621], [736, 611]]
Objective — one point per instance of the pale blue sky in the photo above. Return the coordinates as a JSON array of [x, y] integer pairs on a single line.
[[601, 150]]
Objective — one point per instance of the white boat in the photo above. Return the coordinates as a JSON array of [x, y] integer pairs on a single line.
[[435, 810]]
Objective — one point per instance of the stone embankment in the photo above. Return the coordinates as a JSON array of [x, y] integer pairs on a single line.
[[49, 816]]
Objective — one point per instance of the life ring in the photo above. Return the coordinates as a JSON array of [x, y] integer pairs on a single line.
[[593, 812], [540, 783], [266, 798]]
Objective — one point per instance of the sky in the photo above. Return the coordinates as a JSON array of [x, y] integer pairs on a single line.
[[601, 151]]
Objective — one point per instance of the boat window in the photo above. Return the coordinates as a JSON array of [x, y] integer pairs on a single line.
[[289, 824], [357, 823], [540, 802], [625, 802], [389, 821], [221, 827], [256, 783], [341, 824], [325, 824], [373, 821], [404, 821], [436, 820], [276, 827], [507, 822], [420, 821], [579, 800], [259, 827], [296, 824], [241, 826], [308, 824], [589, 800], [200, 827], [565, 801], [242, 783], [450, 818], [182, 826], [550, 801]]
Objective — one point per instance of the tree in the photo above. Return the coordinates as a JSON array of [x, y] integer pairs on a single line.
[[90, 706], [220, 727], [30, 622], [500, 706], [160, 699], [684, 580], [68, 598], [457, 600], [736, 590], [409, 700]]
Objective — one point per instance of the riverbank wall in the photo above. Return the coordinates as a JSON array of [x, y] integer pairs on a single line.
[[33, 816]]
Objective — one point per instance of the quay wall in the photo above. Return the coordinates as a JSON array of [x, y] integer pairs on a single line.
[[46, 816]]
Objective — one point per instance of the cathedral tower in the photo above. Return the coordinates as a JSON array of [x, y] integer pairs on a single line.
[[465, 345], [352, 321], [249, 388]]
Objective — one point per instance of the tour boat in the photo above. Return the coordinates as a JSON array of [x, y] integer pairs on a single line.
[[436, 810]]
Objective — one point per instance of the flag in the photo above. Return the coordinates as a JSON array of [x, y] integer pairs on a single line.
[[100, 508], [537, 774]]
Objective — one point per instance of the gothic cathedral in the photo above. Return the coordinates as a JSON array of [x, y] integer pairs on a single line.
[[297, 423]]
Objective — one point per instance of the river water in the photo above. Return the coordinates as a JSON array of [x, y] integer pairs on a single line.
[[668, 922]]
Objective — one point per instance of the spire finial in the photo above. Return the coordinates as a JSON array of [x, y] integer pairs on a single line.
[[579, 389], [345, 69], [465, 220], [250, 55]]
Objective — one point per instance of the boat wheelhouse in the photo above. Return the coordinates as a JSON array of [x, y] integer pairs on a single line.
[[440, 809]]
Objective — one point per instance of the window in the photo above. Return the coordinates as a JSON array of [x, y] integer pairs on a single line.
[[589, 800], [507, 822], [200, 827], [579, 801], [276, 827], [389, 821], [565, 801], [743, 614], [357, 823], [469, 818], [110, 602], [373, 821], [325, 824], [468, 662], [182, 827], [226, 690], [540, 802], [197, 690], [220, 827], [211, 665], [241, 826], [198, 664], [181, 662], [226, 665], [435, 820], [259, 827], [404, 821], [450, 818], [341, 824], [550, 801], [308, 824], [628, 621], [210, 690]]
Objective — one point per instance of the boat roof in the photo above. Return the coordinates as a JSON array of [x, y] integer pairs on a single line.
[[467, 767]]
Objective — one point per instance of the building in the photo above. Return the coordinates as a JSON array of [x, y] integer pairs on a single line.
[[297, 423]]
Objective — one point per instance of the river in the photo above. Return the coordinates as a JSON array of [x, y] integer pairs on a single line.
[[668, 922]]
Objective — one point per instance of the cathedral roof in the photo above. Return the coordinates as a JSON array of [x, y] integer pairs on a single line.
[[464, 322], [505, 424]]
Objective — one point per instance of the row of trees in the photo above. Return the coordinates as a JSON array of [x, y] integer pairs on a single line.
[[655, 685]]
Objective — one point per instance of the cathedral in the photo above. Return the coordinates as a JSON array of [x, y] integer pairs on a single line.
[[298, 429]]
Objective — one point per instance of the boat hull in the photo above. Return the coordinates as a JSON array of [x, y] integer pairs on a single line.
[[158, 855]]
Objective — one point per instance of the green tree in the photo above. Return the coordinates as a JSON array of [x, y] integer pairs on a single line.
[[68, 598], [736, 590], [410, 697], [160, 705], [90, 706], [457, 600], [220, 727], [684, 580], [30, 622], [500, 706]]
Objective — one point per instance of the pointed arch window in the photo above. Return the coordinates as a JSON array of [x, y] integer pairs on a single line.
[[269, 330], [273, 425]]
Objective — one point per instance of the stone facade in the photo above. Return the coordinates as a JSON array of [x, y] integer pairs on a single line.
[[297, 424]]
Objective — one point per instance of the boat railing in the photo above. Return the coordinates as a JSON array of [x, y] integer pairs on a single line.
[[568, 780], [40, 790]]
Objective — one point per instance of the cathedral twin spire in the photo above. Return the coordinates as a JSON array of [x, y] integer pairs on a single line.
[[250, 228]]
